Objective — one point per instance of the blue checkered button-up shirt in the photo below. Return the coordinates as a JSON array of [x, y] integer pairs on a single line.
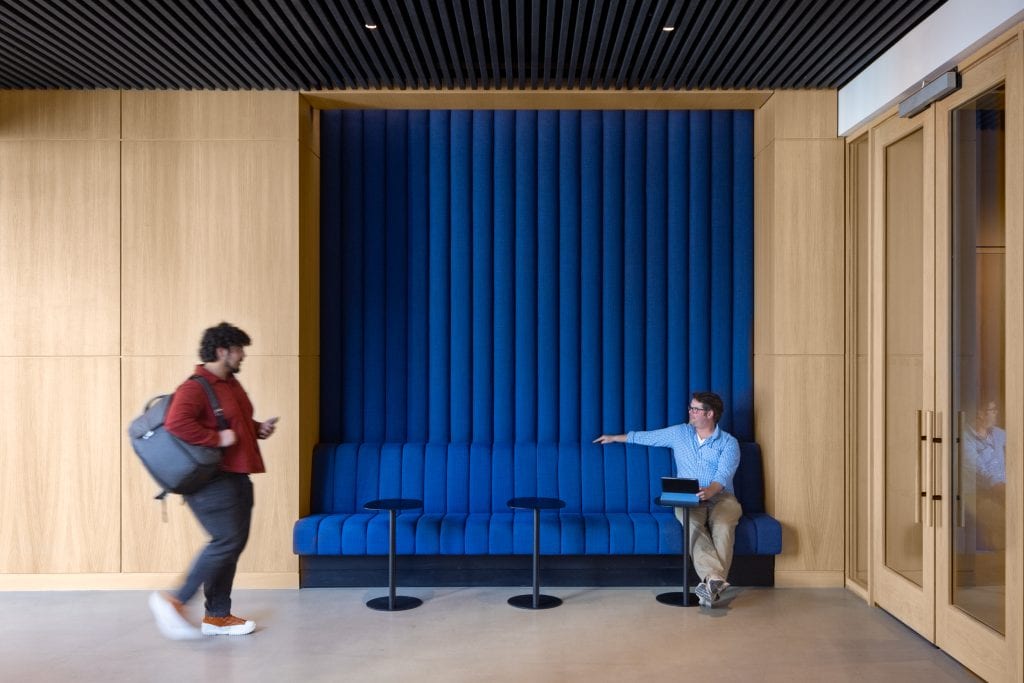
[[714, 460]]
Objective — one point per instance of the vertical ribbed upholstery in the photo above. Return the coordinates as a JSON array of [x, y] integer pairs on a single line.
[[397, 251], [416, 307], [608, 494], [500, 287], [523, 276]]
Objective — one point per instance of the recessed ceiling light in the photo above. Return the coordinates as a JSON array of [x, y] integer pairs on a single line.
[[668, 29], [372, 27]]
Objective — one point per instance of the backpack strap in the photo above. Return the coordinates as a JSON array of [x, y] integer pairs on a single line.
[[218, 412]]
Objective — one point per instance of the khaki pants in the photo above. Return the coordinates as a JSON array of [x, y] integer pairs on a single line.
[[712, 534]]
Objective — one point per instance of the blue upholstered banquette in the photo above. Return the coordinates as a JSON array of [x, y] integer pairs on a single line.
[[609, 493]]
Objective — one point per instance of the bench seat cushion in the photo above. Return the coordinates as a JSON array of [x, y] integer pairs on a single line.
[[504, 533], [609, 494]]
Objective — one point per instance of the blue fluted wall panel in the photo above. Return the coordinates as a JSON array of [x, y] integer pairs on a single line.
[[504, 277], [439, 259], [742, 394], [419, 276], [350, 329], [519, 276], [483, 277], [569, 321], [397, 244], [374, 272], [461, 280], [591, 229]]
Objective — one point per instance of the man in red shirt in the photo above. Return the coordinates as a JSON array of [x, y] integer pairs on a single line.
[[223, 506]]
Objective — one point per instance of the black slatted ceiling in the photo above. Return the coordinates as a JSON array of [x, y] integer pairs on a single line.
[[455, 44]]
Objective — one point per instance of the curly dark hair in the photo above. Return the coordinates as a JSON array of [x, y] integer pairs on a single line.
[[223, 336], [711, 401]]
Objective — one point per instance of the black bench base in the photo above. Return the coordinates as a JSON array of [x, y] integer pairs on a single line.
[[319, 571]]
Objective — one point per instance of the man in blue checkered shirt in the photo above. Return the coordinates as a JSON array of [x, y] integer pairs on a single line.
[[703, 452]]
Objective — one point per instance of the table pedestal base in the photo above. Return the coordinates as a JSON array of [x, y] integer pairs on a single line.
[[678, 599], [401, 602], [526, 601]]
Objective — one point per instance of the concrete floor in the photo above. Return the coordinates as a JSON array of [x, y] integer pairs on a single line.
[[471, 634]]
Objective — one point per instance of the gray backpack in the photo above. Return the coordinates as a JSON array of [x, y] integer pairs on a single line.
[[177, 466]]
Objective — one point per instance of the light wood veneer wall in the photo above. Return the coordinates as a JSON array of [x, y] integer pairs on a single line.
[[133, 220], [129, 222], [799, 330]]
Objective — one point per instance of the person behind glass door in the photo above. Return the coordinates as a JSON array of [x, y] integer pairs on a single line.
[[705, 452], [984, 462]]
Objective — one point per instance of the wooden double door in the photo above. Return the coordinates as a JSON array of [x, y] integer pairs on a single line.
[[946, 399]]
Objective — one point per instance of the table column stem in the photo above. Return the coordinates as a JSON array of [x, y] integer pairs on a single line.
[[536, 557], [686, 556], [391, 559]]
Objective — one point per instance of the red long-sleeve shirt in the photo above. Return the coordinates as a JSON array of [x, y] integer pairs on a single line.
[[190, 418]]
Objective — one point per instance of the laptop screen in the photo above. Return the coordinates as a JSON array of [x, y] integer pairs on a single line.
[[679, 485]]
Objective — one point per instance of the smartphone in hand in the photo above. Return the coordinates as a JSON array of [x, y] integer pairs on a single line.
[[267, 427]]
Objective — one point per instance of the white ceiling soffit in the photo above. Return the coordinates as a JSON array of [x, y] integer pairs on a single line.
[[951, 33]]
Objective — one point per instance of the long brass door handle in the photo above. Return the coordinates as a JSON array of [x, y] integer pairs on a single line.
[[926, 494], [918, 492], [935, 458], [958, 459]]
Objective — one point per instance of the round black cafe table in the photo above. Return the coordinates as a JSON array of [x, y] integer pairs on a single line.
[[393, 603], [681, 598], [535, 600]]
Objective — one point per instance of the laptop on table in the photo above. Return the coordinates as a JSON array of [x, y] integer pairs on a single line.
[[679, 491]]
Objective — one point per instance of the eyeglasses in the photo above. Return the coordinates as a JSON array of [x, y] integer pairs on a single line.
[[697, 409]]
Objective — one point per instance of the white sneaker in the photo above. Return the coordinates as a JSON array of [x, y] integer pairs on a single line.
[[228, 626], [703, 593], [716, 587], [170, 618]]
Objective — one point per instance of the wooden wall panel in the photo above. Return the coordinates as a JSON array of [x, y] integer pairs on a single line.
[[799, 367], [764, 423], [764, 125], [209, 233], [151, 545], [59, 484], [273, 385], [192, 219], [808, 247], [147, 543], [309, 429], [309, 253], [246, 115], [796, 115], [764, 272], [539, 99], [309, 295], [60, 115], [211, 218], [809, 467], [309, 127], [806, 114], [59, 248]]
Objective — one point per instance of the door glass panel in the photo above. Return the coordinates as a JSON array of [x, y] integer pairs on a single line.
[[904, 353], [978, 363]]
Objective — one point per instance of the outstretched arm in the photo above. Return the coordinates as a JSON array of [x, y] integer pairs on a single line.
[[610, 438]]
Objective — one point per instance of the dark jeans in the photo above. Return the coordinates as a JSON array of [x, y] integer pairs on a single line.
[[224, 508]]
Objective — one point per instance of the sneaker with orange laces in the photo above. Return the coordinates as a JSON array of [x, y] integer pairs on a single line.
[[227, 626]]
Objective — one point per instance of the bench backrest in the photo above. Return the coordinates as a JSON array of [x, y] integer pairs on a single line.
[[480, 478]]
